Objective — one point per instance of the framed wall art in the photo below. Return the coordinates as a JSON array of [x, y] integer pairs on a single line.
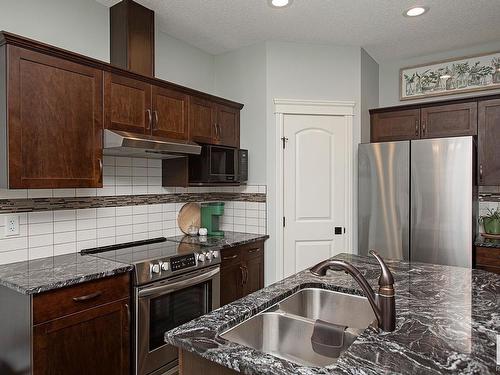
[[448, 77]]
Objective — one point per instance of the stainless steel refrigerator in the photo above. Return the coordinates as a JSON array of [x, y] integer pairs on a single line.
[[416, 200]]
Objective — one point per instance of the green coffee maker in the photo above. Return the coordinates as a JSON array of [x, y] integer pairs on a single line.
[[210, 217]]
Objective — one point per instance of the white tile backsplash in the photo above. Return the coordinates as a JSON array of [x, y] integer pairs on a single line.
[[60, 232]]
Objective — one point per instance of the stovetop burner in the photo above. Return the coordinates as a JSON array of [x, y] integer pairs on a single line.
[[157, 258]]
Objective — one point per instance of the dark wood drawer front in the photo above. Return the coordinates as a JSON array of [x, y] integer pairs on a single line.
[[254, 250], [449, 120], [230, 256], [66, 301], [488, 256]]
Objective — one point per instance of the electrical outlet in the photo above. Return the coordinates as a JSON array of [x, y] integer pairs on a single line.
[[11, 225]]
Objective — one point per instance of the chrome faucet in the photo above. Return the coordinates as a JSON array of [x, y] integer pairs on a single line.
[[383, 303]]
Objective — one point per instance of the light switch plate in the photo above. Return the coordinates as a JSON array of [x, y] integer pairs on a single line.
[[11, 225]]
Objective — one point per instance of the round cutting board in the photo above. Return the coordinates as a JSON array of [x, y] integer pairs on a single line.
[[189, 215]]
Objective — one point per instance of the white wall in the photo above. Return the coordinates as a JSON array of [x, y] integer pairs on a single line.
[[389, 73], [83, 26], [77, 25], [180, 63], [241, 76], [369, 92], [306, 71]]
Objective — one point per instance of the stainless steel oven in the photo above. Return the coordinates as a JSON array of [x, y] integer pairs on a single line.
[[166, 304]]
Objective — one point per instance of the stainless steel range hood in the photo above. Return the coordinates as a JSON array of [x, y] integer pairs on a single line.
[[121, 143]]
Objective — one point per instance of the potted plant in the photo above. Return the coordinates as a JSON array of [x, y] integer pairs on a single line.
[[496, 69], [491, 221]]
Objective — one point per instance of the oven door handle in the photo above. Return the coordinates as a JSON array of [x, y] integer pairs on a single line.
[[169, 288]]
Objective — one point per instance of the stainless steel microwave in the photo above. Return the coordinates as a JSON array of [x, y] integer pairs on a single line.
[[218, 164]]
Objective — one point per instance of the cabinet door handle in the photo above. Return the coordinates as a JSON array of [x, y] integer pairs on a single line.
[[242, 270], [88, 297], [254, 251], [424, 127], [150, 119], [155, 123], [416, 128], [128, 312], [220, 130], [246, 274], [100, 170], [480, 172], [230, 257]]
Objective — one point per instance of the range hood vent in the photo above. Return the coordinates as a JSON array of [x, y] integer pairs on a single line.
[[121, 143]]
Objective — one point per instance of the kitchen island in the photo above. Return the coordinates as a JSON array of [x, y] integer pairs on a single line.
[[447, 322]]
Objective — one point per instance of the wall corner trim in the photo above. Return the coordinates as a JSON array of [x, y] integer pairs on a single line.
[[319, 107]]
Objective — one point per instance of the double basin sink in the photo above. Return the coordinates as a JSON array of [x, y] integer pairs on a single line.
[[286, 329]]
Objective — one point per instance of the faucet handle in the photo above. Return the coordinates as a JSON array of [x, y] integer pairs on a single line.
[[386, 279]]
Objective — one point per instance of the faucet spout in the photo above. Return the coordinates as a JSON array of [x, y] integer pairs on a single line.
[[382, 303]]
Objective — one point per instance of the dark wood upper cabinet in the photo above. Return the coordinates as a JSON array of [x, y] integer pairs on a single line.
[[54, 127], [170, 113], [202, 117], [127, 104], [449, 120], [132, 37], [228, 126], [395, 125], [488, 142]]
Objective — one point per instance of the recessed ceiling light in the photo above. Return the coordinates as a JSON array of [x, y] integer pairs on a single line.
[[279, 3], [415, 11]]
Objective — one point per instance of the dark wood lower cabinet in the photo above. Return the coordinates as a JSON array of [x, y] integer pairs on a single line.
[[488, 259], [242, 271], [95, 341], [85, 330]]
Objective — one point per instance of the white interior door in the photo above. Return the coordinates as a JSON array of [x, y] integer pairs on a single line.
[[314, 183]]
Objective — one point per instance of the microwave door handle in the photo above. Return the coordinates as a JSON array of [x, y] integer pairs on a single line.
[[169, 288]]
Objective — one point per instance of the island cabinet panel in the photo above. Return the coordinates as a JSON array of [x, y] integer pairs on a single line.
[[202, 117], [170, 113], [193, 364], [449, 120], [228, 126], [127, 104], [242, 271], [54, 126], [83, 329], [488, 259], [395, 126], [488, 142]]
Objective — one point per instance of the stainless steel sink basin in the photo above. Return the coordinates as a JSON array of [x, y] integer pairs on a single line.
[[334, 307], [285, 329]]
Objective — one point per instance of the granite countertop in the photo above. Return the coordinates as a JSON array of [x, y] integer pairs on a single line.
[[41, 275], [485, 242], [230, 239], [447, 322]]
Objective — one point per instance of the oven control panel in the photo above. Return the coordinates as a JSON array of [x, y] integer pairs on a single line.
[[181, 262]]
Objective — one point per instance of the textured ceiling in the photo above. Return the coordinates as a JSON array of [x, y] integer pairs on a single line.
[[217, 26]]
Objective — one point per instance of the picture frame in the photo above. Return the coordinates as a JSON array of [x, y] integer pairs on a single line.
[[451, 76]]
